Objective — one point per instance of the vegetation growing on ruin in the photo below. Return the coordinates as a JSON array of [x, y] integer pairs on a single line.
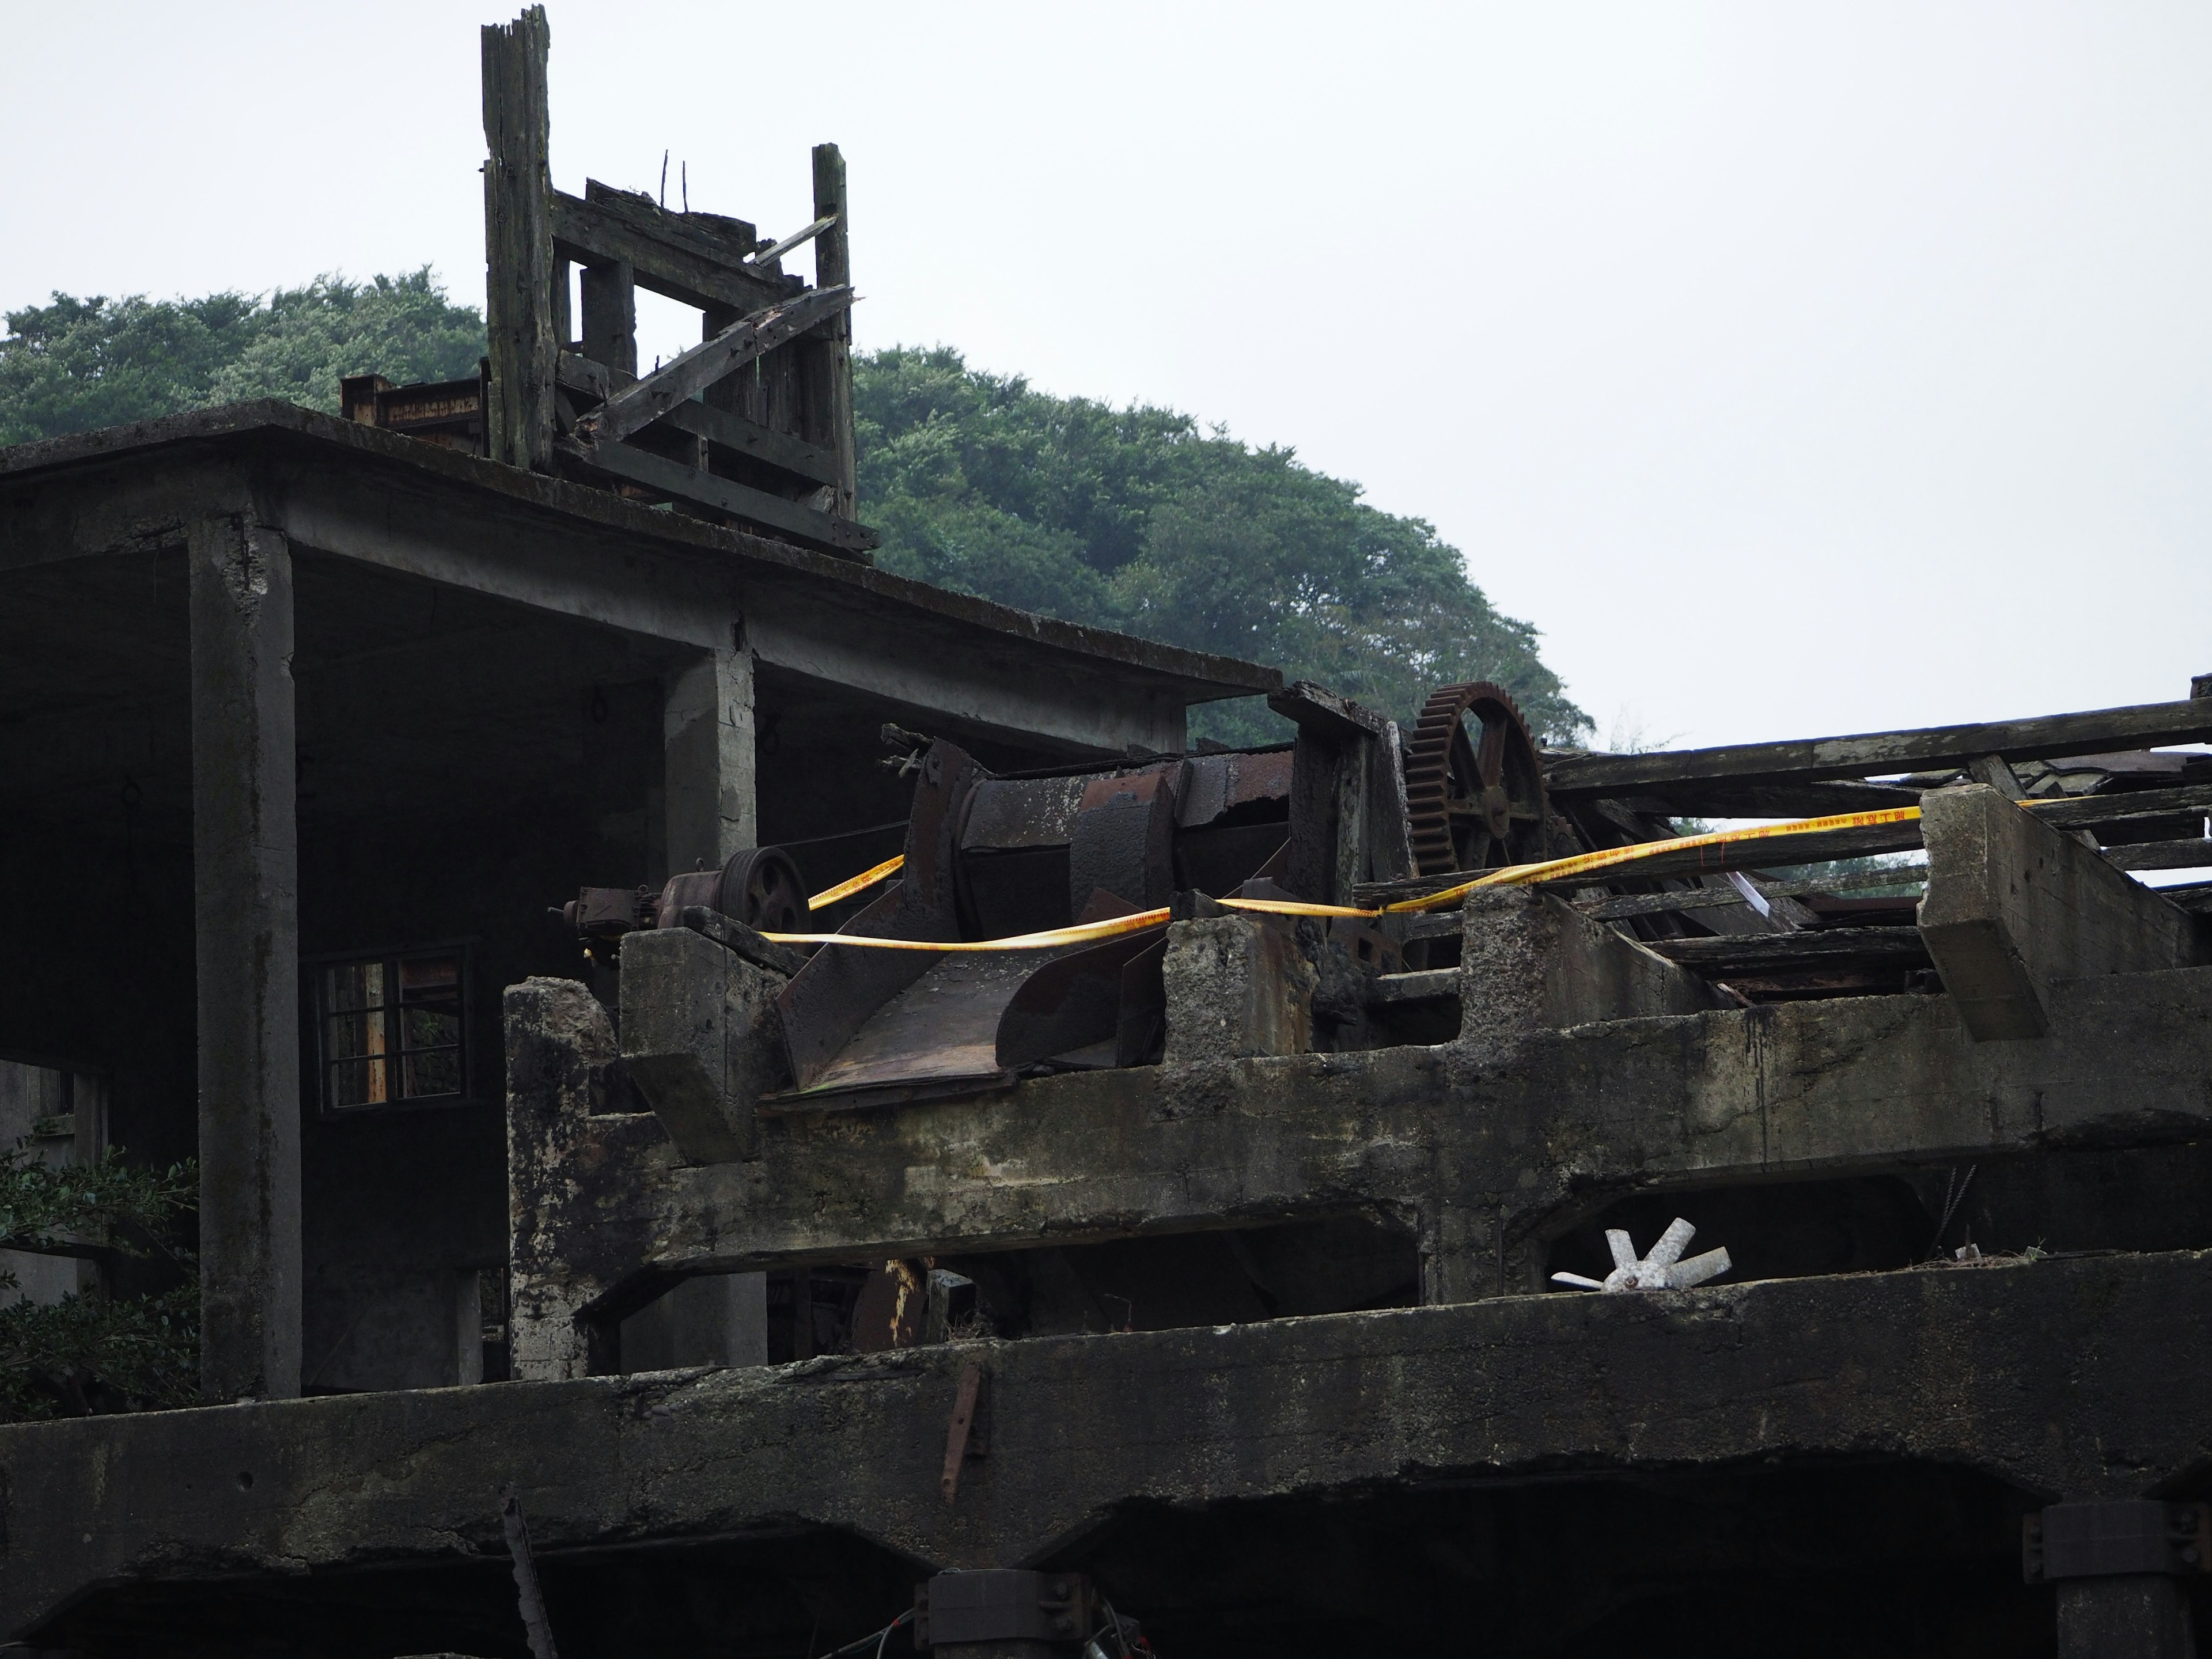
[[1134, 519], [91, 1352]]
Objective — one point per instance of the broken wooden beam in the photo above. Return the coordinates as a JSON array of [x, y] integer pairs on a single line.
[[665, 256], [734, 433], [651, 397], [2103, 730], [1771, 953], [1620, 907], [688, 483], [768, 256]]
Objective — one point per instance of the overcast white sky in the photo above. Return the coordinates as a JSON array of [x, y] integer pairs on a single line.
[[1795, 369]]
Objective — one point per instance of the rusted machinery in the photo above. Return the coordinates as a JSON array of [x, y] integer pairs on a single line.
[[994, 857]]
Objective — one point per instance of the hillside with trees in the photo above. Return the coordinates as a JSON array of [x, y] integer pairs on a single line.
[[1133, 519]]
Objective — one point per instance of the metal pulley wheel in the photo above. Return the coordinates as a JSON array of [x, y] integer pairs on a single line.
[[1474, 783], [761, 887]]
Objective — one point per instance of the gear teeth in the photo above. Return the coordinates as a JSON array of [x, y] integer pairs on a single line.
[[1428, 766]]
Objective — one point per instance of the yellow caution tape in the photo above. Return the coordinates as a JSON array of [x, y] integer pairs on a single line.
[[1293, 907], [1522, 875], [1082, 934], [1515, 875], [865, 879]]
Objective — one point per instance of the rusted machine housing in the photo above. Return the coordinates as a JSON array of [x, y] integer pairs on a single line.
[[990, 857], [994, 857]]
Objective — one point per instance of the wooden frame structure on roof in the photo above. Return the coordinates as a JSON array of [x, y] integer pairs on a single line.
[[753, 426]]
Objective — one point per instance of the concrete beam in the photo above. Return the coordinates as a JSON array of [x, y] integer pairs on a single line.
[[1944, 1367], [2012, 907], [246, 916], [1490, 1147], [707, 756]]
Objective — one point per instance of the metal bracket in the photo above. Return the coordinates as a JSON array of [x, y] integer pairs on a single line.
[[2128, 1536]]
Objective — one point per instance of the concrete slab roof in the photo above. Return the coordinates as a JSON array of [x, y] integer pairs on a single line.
[[274, 430]]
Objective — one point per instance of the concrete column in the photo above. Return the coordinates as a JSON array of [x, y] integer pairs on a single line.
[[707, 737], [245, 918], [1236, 988], [702, 1040], [2134, 1616], [1531, 963]]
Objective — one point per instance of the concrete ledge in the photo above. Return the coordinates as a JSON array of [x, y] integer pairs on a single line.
[[1457, 1140], [1951, 1366]]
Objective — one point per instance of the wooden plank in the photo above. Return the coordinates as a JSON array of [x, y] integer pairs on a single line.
[[1619, 908], [750, 438], [2161, 855], [2089, 811], [740, 501], [1807, 798], [610, 305], [832, 356], [653, 396], [732, 432], [2104, 731], [518, 255], [769, 255], [1817, 947], [666, 258]]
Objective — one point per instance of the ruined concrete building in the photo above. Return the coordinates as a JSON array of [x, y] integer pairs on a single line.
[[1198, 1271]]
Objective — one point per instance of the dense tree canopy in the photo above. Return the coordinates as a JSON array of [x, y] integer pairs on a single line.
[[1132, 518], [1136, 519], [78, 363]]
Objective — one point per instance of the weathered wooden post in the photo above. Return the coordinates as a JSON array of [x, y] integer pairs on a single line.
[[519, 263]]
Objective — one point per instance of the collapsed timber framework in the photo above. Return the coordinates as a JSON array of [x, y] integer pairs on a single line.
[[961, 1170]]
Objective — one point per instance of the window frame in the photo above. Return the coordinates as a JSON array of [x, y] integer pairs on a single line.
[[389, 958]]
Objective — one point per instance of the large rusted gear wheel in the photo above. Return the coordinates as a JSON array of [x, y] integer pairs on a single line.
[[1474, 783]]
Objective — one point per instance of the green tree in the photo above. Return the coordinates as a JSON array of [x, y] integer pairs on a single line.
[[75, 363], [89, 1352], [1136, 518]]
